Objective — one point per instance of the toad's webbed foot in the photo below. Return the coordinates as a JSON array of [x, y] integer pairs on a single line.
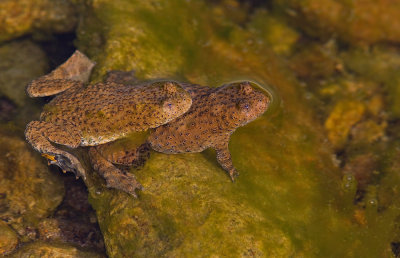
[[66, 162], [114, 177]]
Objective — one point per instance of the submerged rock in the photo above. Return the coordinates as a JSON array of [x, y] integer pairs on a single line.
[[272, 31], [380, 65], [8, 239], [29, 192], [43, 249], [21, 62], [356, 22], [343, 117], [289, 191], [18, 18]]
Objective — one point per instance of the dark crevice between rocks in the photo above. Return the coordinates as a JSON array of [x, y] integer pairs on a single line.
[[58, 48], [7, 109], [257, 3], [395, 248], [74, 221]]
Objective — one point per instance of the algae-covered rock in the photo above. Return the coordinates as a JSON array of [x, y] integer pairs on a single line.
[[21, 62], [316, 62], [273, 32], [209, 207], [28, 190], [289, 193], [71, 230], [52, 250], [8, 239], [356, 22], [290, 199], [379, 65], [18, 18], [339, 123], [369, 131]]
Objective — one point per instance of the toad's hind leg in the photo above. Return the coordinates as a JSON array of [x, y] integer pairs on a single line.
[[71, 74], [40, 134], [43, 87], [114, 177]]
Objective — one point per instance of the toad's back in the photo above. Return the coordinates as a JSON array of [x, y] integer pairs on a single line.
[[213, 117], [107, 110]]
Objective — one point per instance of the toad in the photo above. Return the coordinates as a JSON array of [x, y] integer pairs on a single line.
[[96, 114], [214, 115]]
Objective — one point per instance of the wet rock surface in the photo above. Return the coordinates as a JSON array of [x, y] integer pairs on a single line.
[[29, 191], [323, 159], [281, 192], [32, 206], [74, 221], [8, 239], [355, 22], [44, 249], [21, 62], [43, 17]]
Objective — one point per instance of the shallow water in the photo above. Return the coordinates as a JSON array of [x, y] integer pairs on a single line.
[[318, 171]]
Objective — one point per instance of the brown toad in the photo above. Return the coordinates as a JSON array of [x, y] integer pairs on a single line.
[[214, 115], [97, 114]]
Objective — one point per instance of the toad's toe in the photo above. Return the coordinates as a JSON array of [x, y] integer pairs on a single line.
[[233, 175]]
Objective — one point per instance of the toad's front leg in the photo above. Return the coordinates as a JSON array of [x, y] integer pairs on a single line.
[[40, 134], [225, 160], [114, 177]]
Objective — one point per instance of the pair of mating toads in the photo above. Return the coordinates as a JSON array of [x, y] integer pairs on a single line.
[[181, 117]]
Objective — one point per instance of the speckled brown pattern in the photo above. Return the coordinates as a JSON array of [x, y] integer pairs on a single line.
[[126, 157], [213, 117], [97, 114], [107, 111]]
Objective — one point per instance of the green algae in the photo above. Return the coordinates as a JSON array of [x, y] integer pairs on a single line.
[[272, 31], [289, 198], [354, 22], [292, 198], [380, 65], [343, 117]]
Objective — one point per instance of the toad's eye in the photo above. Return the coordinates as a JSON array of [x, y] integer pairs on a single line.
[[244, 106], [168, 105]]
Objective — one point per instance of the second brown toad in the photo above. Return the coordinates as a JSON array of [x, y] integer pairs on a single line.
[[214, 115]]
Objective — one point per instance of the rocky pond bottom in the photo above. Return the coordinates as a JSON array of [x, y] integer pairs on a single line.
[[318, 172]]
